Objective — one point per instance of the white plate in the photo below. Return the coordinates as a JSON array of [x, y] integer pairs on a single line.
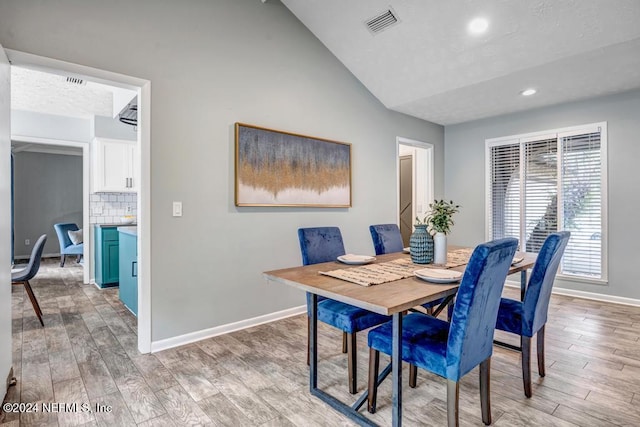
[[356, 259], [517, 260], [406, 250], [438, 275]]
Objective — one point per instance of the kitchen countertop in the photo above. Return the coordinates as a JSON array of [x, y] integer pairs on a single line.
[[129, 229], [119, 224]]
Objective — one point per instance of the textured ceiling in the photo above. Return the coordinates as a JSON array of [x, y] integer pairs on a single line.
[[430, 67], [41, 92]]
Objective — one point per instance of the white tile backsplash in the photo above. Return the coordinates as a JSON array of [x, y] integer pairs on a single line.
[[109, 208]]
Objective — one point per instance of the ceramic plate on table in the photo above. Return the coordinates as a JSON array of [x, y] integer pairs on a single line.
[[356, 259], [406, 250], [517, 260], [438, 275]]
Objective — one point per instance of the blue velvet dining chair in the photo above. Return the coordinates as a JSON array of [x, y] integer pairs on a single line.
[[451, 350], [23, 275], [387, 239], [324, 244], [528, 317], [67, 247]]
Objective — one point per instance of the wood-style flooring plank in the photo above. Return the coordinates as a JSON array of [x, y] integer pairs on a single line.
[[117, 414], [71, 392], [140, 399], [154, 372], [182, 408]]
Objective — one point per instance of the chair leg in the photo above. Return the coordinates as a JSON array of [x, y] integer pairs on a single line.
[[374, 365], [62, 260], [79, 257], [453, 393], [34, 301], [413, 376], [344, 342], [308, 339], [540, 349], [352, 356], [485, 390], [525, 343]]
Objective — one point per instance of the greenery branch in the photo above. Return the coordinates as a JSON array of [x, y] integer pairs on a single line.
[[440, 216]]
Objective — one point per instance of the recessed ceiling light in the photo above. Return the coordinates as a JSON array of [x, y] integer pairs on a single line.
[[528, 92], [478, 25]]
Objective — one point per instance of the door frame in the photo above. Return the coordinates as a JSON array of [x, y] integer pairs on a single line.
[[143, 88], [423, 170], [88, 249]]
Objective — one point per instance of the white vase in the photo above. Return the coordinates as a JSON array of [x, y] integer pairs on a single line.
[[440, 248]]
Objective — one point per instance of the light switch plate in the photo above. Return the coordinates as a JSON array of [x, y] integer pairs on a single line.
[[177, 208]]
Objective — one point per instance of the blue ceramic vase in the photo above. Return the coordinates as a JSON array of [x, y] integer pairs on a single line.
[[421, 245]]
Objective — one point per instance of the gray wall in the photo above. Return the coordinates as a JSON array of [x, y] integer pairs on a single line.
[[108, 127], [212, 64], [48, 190], [465, 156]]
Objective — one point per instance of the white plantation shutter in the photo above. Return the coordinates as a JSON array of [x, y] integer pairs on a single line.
[[582, 203], [505, 191], [540, 204], [542, 184]]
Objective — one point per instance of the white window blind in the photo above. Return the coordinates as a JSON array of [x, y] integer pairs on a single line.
[[542, 184], [582, 203]]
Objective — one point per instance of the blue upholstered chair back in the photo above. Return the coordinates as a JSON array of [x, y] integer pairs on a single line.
[[386, 238], [320, 244], [474, 317], [32, 268], [536, 299], [62, 230]]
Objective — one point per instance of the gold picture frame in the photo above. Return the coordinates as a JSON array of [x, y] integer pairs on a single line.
[[276, 168]]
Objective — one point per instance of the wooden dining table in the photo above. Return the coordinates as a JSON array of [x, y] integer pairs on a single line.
[[391, 298]]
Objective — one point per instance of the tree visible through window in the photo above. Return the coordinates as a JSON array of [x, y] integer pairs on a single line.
[[539, 185]]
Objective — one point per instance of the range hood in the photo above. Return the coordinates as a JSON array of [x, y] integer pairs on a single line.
[[129, 114]]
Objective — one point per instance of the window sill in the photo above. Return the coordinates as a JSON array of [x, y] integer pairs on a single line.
[[580, 279]]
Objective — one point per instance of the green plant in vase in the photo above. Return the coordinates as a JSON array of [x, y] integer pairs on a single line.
[[440, 221]]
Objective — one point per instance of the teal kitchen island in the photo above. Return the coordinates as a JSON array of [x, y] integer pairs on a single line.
[[128, 257]]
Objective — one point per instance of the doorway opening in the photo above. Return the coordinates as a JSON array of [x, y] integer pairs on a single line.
[[415, 183], [70, 203], [142, 88]]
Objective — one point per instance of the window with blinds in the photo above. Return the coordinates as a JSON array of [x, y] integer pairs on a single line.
[[542, 183]]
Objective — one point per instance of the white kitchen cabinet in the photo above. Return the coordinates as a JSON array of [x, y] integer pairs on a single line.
[[114, 166]]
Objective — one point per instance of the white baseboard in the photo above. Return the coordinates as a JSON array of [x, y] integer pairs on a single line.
[[225, 329], [587, 295]]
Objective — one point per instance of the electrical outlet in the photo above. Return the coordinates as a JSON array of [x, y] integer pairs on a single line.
[[27, 242], [128, 209]]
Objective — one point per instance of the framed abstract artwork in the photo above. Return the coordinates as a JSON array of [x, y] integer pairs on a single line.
[[275, 168]]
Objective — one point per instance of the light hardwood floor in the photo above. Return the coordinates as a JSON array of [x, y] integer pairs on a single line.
[[86, 353]]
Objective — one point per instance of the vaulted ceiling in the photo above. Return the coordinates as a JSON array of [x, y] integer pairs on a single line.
[[430, 66]]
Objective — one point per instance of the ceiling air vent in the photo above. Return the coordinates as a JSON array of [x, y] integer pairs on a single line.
[[75, 81], [382, 21]]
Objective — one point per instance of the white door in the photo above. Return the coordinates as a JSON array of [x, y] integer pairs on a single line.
[[5, 222]]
